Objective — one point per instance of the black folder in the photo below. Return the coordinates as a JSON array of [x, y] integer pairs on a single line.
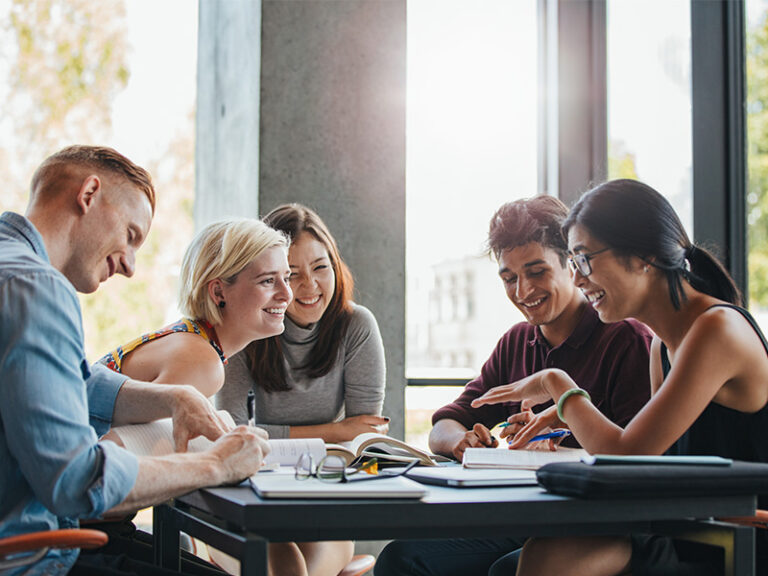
[[655, 480]]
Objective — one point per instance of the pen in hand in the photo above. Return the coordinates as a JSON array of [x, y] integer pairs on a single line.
[[559, 433], [251, 406]]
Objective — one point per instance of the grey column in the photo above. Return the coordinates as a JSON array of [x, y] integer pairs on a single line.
[[227, 126], [331, 135]]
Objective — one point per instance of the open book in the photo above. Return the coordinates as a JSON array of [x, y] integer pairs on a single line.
[[519, 459], [156, 439], [383, 447]]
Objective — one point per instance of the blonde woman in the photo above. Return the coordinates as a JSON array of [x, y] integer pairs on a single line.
[[234, 289]]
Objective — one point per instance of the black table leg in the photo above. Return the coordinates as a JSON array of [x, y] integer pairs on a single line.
[[254, 560], [165, 533]]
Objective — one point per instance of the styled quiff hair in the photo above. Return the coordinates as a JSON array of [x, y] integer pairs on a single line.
[[221, 250], [538, 219], [99, 158]]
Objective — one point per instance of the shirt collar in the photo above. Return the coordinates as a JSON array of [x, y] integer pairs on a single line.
[[20, 228], [587, 323]]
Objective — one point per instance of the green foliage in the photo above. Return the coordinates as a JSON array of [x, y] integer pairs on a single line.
[[621, 163], [67, 60], [757, 130], [68, 66]]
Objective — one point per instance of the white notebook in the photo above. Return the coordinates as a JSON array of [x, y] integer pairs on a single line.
[[519, 459], [275, 485]]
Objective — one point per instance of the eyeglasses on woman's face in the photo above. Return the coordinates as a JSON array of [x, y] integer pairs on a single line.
[[580, 262], [334, 469]]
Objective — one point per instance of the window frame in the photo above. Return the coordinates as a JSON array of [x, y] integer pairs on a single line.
[[577, 52]]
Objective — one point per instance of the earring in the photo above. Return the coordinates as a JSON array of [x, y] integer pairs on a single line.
[[646, 268], [222, 304]]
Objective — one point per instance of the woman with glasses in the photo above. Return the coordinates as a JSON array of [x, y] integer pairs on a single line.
[[324, 376], [632, 258]]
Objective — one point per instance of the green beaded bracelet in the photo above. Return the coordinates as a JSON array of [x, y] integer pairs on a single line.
[[567, 394]]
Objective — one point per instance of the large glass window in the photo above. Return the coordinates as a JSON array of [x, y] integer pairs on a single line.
[[649, 97], [471, 146], [757, 157]]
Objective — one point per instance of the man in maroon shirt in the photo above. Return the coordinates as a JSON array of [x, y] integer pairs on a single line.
[[562, 330]]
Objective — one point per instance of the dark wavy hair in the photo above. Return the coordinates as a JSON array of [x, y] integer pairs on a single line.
[[538, 219], [265, 356], [633, 219]]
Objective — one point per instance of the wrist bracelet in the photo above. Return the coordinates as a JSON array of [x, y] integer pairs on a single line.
[[567, 394]]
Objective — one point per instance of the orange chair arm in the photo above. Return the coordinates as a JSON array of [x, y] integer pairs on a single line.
[[68, 538], [759, 520]]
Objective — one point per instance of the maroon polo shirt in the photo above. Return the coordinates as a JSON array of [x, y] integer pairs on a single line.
[[610, 361]]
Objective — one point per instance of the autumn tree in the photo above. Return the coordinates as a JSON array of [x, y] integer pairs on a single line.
[[63, 64], [65, 61]]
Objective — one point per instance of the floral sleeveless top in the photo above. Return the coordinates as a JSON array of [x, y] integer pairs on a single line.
[[114, 360]]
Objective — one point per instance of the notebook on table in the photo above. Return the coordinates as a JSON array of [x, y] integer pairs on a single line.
[[459, 477], [271, 485], [501, 458]]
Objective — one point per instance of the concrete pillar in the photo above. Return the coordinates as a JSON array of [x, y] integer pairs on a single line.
[[333, 137], [331, 134], [227, 125]]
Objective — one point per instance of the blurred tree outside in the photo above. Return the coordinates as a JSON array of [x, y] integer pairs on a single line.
[[62, 64], [621, 162], [757, 161]]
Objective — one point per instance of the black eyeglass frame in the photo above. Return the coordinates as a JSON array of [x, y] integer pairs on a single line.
[[581, 262], [341, 476]]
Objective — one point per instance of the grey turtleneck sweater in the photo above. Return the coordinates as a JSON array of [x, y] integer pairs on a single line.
[[354, 386]]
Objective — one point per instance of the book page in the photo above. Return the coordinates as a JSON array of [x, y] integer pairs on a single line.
[[150, 439], [520, 459], [341, 450], [286, 451], [385, 444], [156, 438]]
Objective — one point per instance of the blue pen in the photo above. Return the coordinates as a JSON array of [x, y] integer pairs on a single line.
[[561, 433]]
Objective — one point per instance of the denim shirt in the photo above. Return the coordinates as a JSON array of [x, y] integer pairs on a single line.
[[53, 406]]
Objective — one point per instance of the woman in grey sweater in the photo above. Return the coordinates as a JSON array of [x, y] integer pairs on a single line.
[[324, 376]]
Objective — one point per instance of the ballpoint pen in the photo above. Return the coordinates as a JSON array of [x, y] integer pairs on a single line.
[[251, 406], [559, 433]]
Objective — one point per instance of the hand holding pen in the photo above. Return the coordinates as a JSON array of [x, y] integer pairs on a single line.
[[526, 426], [555, 434], [250, 404]]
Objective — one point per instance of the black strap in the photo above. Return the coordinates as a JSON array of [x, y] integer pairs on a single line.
[[666, 366]]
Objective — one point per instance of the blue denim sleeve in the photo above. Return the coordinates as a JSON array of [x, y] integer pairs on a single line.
[[103, 385], [44, 403]]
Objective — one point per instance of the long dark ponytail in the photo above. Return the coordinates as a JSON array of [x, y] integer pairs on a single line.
[[633, 219]]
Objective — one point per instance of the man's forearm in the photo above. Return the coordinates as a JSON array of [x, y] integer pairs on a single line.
[[162, 478], [233, 457], [445, 435], [139, 402]]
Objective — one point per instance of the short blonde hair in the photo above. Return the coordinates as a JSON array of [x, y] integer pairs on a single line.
[[221, 250], [100, 158]]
